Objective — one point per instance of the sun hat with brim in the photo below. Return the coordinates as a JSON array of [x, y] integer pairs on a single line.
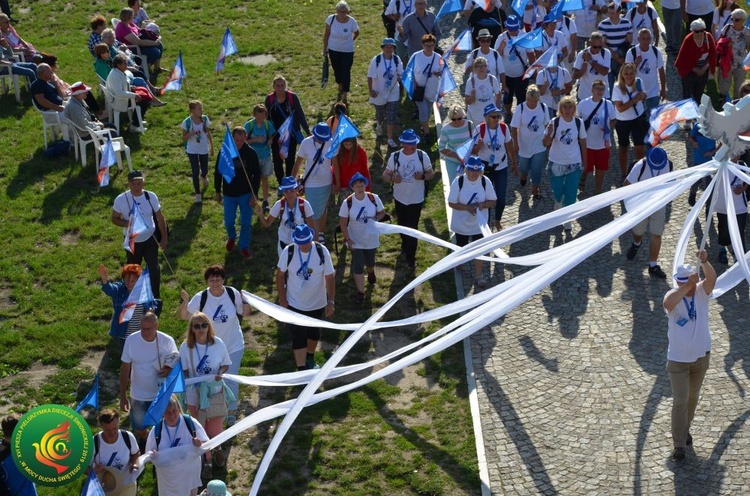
[[491, 109], [216, 488], [484, 33], [113, 482], [548, 19], [358, 176], [388, 41], [409, 137], [656, 158], [288, 184], [79, 88], [321, 131], [513, 23], [474, 163], [683, 273], [136, 174], [302, 234]]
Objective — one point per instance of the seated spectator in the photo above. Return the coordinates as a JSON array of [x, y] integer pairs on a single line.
[[142, 87], [16, 42], [98, 23], [26, 69], [79, 113], [127, 32], [118, 85], [64, 87], [140, 17], [45, 95], [115, 47]]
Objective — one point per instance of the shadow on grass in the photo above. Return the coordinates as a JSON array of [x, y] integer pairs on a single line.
[[182, 233]]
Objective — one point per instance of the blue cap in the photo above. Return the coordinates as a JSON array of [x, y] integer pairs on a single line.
[[288, 184], [409, 137], [358, 176], [388, 41], [548, 19], [512, 23], [491, 109], [656, 158], [302, 234], [474, 163], [321, 131]]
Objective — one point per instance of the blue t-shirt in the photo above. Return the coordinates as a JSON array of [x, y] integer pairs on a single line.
[[267, 129], [18, 485], [705, 145], [47, 90]]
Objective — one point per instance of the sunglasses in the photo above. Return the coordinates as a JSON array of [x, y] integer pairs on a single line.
[[202, 325], [494, 116], [596, 47], [484, 40], [457, 118], [697, 31]]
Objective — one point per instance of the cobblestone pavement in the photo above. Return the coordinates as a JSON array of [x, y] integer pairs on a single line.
[[573, 392]]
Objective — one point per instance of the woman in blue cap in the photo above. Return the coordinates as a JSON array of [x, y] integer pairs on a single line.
[[317, 179], [292, 209], [470, 195], [357, 217]]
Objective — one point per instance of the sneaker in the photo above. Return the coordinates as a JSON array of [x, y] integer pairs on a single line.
[[198, 198], [371, 278], [207, 473], [204, 182], [568, 226], [266, 208], [360, 297], [523, 182], [691, 199], [723, 256], [656, 271], [231, 420], [310, 364], [379, 129], [230, 244], [392, 144], [246, 254], [218, 457], [632, 251], [689, 440], [481, 282], [678, 454]]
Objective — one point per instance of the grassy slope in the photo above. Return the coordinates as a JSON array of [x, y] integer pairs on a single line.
[[57, 229]]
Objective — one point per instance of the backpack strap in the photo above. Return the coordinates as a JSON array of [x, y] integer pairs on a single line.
[[204, 298], [460, 183], [189, 423], [319, 249]]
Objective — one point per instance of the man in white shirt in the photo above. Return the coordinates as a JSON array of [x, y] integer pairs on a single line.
[[306, 285], [587, 19], [649, 65], [644, 16], [672, 13], [592, 64]]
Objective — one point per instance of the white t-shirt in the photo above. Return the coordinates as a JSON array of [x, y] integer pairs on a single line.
[[670, 4], [495, 64], [405, 7], [385, 76], [647, 173], [603, 58], [486, 91], [197, 144], [146, 362], [738, 199], [625, 96], [117, 454], [124, 202], [179, 478], [567, 26], [699, 7], [409, 191], [341, 38], [586, 19], [462, 221], [307, 294], [640, 21], [494, 150], [558, 39], [514, 58], [595, 132], [565, 148], [290, 217], [321, 175], [362, 220], [531, 124], [648, 70], [528, 14], [223, 315], [203, 360], [721, 19], [557, 81], [689, 339], [424, 69]]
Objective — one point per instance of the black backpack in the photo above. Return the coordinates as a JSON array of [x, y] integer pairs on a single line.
[[124, 435], [230, 291], [158, 428], [556, 124]]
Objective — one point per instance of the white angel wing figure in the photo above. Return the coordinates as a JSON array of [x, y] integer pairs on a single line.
[[726, 127]]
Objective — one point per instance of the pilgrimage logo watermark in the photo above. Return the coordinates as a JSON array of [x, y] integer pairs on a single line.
[[52, 445]]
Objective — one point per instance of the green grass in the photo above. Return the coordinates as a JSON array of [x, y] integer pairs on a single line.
[[56, 231]]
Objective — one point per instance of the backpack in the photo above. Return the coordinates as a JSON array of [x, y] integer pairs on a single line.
[[188, 123], [188, 422], [640, 174], [250, 125], [653, 49], [461, 182], [398, 154], [318, 248], [556, 124], [475, 53], [520, 108], [503, 128], [300, 202], [230, 291], [349, 200], [633, 11], [124, 435], [379, 57]]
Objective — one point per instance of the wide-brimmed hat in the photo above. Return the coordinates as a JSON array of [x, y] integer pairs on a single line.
[[216, 488], [288, 183], [321, 131], [388, 41], [113, 482], [484, 33], [302, 234], [512, 23], [656, 158], [491, 109], [549, 18], [136, 174], [474, 163], [79, 88], [358, 176], [409, 137], [683, 272]]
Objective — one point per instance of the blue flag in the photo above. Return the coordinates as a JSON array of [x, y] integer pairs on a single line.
[[449, 7], [227, 155], [175, 383], [174, 81], [530, 40], [407, 78], [462, 43], [446, 85], [92, 398], [92, 487], [285, 135], [228, 47], [464, 150], [546, 60], [346, 129], [136, 225], [519, 6]]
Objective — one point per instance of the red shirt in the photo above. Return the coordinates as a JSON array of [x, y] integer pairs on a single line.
[[347, 168], [690, 53]]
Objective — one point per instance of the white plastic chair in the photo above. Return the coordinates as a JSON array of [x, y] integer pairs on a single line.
[[124, 103], [80, 139], [52, 120], [107, 103], [118, 145], [12, 79]]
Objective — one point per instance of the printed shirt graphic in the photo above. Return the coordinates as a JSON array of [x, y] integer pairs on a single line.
[[117, 454], [223, 316], [306, 294]]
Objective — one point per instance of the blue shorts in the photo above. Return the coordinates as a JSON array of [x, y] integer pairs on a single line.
[[138, 411]]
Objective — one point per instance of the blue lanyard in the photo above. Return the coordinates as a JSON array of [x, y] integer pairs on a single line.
[[407, 9], [387, 66], [173, 442], [690, 308], [493, 139], [303, 265], [553, 82]]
